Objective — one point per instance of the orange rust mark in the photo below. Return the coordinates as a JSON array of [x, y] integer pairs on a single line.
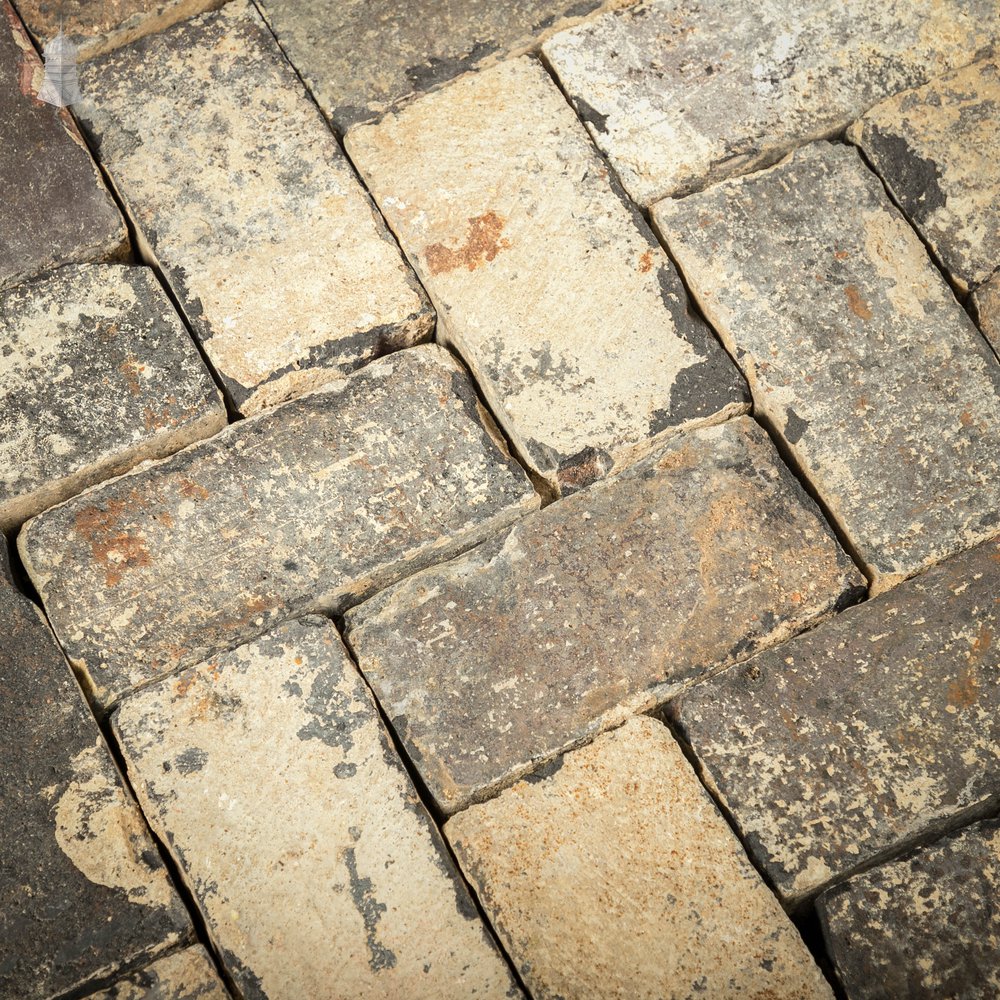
[[110, 545], [981, 646], [482, 244], [796, 598], [192, 490], [130, 369], [841, 255], [964, 689], [858, 306], [646, 262], [184, 684], [965, 418]]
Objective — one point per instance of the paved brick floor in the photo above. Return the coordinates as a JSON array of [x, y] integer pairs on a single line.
[[501, 499]]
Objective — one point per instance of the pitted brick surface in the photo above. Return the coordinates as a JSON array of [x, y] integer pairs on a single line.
[[322, 876], [604, 603], [97, 374], [311, 506], [923, 928], [274, 251], [617, 877], [557, 295], [856, 351], [83, 892], [935, 148], [873, 731], [54, 207], [680, 93], [185, 975]]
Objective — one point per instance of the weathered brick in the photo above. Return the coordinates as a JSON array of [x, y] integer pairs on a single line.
[[97, 26], [856, 351], [185, 975], [679, 94], [54, 208], [854, 740], [602, 604], [98, 374], [412, 47], [935, 149], [83, 892], [616, 876], [308, 507], [987, 306], [558, 296], [923, 928], [244, 199], [323, 876]]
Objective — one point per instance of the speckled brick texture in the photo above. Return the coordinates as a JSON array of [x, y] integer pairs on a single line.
[[679, 94], [244, 199], [553, 290], [922, 928], [987, 307], [857, 353], [874, 730], [408, 48], [309, 507], [83, 891], [54, 207], [97, 374], [935, 148], [323, 876], [615, 876], [184, 975], [604, 603]]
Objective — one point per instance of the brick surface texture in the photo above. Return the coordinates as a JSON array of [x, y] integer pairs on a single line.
[[184, 975]]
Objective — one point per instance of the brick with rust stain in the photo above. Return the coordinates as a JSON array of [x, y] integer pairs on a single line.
[[54, 207], [99, 374], [310, 506], [935, 148], [856, 740], [615, 876], [602, 604], [857, 353], [681, 94], [83, 891], [922, 928], [323, 875], [242, 196], [184, 975], [986, 303], [555, 292], [414, 47]]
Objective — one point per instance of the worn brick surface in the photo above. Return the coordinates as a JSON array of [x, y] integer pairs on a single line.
[[83, 891], [604, 603], [98, 373], [679, 94], [875, 729], [97, 26], [245, 200], [856, 350], [923, 928], [570, 314], [617, 877], [987, 306], [935, 149], [54, 207], [408, 48], [312, 505], [185, 975], [323, 875]]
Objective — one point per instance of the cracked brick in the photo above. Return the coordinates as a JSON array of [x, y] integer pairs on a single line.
[[987, 306], [184, 975]]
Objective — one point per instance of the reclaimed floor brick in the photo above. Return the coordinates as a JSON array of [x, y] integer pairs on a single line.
[[923, 928], [54, 207], [875, 730], [602, 604], [83, 892], [987, 307], [680, 94], [98, 375], [615, 876], [185, 975], [407, 48], [244, 199], [308, 507], [556, 294], [857, 353], [97, 26], [317, 869], [935, 148]]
